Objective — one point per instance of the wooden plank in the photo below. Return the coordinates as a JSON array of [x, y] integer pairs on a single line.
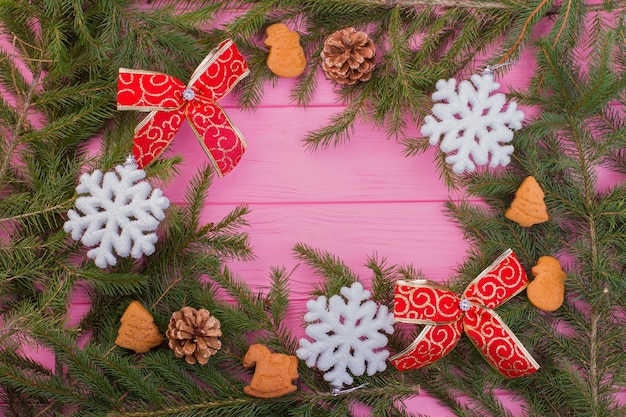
[[416, 233], [277, 167]]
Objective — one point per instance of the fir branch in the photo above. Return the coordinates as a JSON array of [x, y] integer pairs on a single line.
[[76, 361], [245, 299], [176, 377], [251, 21], [111, 283], [305, 88], [331, 268], [63, 207], [251, 88], [278, 295], [41, 386], [195, 195], [439, 3], [414, 146], [449, 177], [225, 407], [15, 136], [383, 282], [340, 126], [130, 378], [568, 23], [224, 238], [533, 14], [461, 4]]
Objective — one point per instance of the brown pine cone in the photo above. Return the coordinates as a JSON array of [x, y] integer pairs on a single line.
[[193, 335], [348, 56]]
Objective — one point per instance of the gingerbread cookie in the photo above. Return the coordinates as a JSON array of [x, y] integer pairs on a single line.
[[528, 207], [286, 58], [273, 373], [547, 290], [138, 331]]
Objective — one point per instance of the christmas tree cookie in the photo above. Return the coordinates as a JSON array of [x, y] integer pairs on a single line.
[[138, 331], [528, 207]]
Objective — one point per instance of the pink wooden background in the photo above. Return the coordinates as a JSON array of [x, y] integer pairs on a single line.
[[356, 200]]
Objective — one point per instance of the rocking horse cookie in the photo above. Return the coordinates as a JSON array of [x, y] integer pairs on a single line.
[[273, 372]]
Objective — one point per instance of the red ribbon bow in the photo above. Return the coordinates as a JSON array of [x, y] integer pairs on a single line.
[[446, 315], [169, 101]]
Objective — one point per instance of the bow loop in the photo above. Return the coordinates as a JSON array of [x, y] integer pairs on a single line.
[[158, 129], [434, 342], [219, 72], [147, 90], [499, 282], [218, 136], [168, 100], [424, 302], [447, 316]]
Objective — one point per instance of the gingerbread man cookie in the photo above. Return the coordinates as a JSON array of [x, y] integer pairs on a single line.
[[273, 372], [138, 331], [286, 58]]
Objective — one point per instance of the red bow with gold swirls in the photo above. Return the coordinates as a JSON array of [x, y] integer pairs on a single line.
[[446, 316], [169, 101]]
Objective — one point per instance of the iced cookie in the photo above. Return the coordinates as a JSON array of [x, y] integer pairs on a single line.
[[273, 372], [138, 331], [286, 58]]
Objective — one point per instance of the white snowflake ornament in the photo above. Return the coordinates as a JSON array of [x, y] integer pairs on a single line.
[[119, 213], [347, 335], [472, 123]]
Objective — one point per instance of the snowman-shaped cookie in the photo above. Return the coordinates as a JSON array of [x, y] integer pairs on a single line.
[[547, 290], [286, 58]]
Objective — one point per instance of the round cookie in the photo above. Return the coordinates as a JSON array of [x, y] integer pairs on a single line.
[[286, 58]]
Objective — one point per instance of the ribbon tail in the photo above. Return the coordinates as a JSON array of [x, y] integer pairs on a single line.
[[433, 343], [221, 140], [498, 344], [154, 133]]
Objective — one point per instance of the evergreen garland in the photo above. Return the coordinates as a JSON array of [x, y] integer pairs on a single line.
[[58, 80]]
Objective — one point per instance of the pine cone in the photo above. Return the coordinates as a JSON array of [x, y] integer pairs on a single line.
[[193, 334], [348, 56]]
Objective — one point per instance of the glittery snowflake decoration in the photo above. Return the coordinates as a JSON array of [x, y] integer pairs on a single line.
[[347, 335], [472, 123], [119, 213]]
